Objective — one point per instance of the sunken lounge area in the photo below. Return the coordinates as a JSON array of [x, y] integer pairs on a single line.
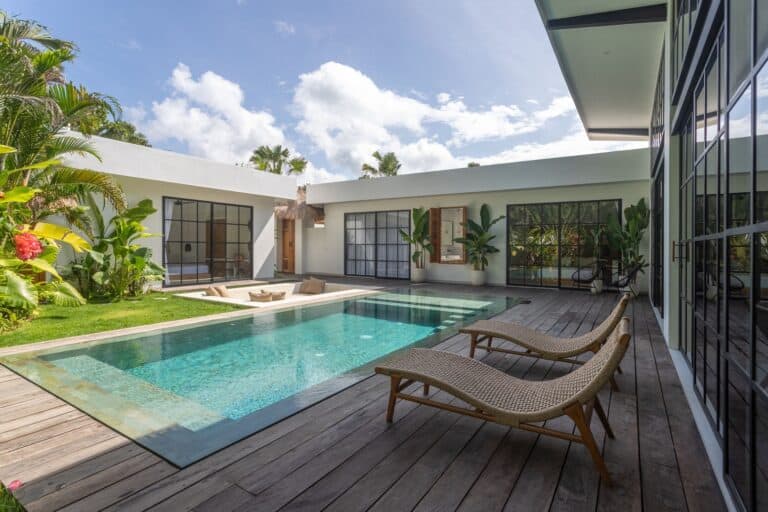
[[342, 455]]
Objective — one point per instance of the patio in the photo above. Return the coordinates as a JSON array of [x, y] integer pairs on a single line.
[[341, 455]]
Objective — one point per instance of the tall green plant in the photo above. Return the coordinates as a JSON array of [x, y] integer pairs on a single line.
[[118, 266], [478, 238], [419, 236], [26, 251], [627, 238], [277, 160]]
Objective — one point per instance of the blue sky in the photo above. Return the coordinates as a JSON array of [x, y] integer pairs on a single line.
[[441, 83]]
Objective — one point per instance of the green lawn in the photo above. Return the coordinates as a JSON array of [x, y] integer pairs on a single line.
[[60, 322]]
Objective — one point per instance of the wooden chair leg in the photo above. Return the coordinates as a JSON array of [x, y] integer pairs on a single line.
[[614, 386], [394, 389], [426, 389], [603, 418], [619, 370], [472, 345], [488, 348], [576, 413]]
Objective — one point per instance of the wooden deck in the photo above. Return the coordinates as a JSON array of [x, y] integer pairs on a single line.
[[341, 455]]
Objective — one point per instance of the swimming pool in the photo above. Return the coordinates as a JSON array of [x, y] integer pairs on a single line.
[[186, 393]]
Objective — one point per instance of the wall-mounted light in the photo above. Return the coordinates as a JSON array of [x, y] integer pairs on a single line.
[[187, 247]]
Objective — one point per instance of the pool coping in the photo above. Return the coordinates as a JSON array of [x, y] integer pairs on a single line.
[[186, 322]]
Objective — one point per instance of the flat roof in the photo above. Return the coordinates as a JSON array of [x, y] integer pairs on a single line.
[[610, 167], [609, 53], [135, 161]]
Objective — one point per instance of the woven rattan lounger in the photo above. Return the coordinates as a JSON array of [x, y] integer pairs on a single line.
[[493, 395], [539, 344]]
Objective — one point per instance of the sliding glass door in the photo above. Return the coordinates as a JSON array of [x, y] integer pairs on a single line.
[[205, 242], [560, 244], [373, 246]]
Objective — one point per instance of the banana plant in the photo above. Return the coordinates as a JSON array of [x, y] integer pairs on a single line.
[[419, 236], [628, 238], [478, 238]]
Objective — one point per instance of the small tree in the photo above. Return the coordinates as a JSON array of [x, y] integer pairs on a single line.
[[419, 236], [478, 238], [473, 164]]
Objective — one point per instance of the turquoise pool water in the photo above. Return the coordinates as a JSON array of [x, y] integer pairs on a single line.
[[188, 392]]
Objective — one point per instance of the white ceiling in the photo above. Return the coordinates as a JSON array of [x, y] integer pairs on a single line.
[[611, 71]]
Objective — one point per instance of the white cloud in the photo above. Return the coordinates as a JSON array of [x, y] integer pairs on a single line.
[[575, 142], [284, 28], [316, 175], [207, 115], [347, 116]]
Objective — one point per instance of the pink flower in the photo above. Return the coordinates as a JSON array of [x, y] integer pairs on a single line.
[[27, 246], [14, 485]]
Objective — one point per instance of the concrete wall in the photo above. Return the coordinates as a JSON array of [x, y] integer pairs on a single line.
[[323, 248]]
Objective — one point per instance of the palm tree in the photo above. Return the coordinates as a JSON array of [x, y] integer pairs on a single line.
[[123, 131], [277, 160], [36, 107], [387, 165]]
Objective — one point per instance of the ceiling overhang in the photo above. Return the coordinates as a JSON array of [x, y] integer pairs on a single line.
[[609, 52]]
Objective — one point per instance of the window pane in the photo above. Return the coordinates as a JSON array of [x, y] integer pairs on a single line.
[[761, 308], [737, 463], [700, 116], [761, 141], [762, 27], [739, 159], [740, 35], [712, 101]]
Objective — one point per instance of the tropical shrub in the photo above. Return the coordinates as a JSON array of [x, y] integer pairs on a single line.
[[117, 266], [419, 236], [478, 238], [627, 238], [26, 251]]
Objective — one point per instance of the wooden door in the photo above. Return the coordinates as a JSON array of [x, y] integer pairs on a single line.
[[288, 246]]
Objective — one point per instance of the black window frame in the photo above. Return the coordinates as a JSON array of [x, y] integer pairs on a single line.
[[508, 247], [168, 216], [377, 244]]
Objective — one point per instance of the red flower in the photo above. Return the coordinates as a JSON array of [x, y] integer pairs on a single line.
[[27, 246], [16, 484]]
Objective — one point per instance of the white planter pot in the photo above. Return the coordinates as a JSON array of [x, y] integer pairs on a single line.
[[418, 275], [597, 286], [477, 277]]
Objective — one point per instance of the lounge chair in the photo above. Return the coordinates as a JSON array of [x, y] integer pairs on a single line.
[[493, 395], [538, 344]]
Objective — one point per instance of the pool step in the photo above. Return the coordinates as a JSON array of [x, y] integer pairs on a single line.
[[161, 402]]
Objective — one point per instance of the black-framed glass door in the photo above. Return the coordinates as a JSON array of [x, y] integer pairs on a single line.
[[206, 242], [560, 244], [723, 244], [373, 246]]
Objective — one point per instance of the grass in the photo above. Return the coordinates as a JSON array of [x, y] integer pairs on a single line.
[[8, 503], [59, 322]]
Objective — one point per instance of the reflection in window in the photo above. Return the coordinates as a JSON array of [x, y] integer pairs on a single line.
[[761, 145], [206, 242], [740, 37], [560, 244], [739, 159], [373, 245]]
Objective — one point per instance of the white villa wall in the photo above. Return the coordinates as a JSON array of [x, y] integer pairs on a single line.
[[323, 248], [149, 173], [264, 257]]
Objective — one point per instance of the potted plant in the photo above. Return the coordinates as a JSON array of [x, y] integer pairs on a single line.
[[477, 242], [626, 239], [419, 239]]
